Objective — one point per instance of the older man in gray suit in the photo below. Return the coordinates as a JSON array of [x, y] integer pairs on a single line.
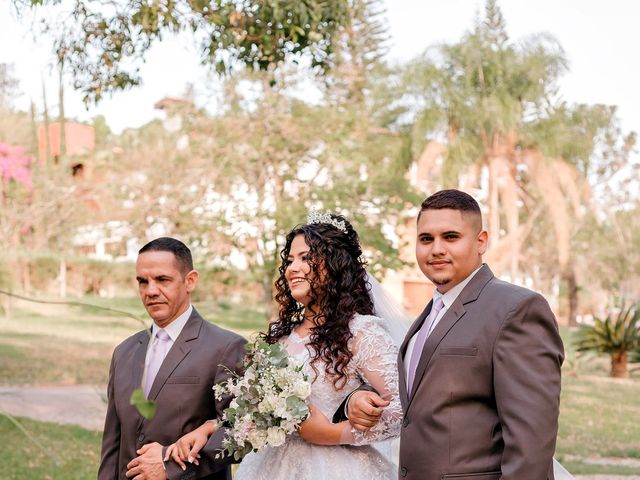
[[177, 361], [480, 367]]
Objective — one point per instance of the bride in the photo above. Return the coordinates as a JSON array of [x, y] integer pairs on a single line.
[[326, 319]]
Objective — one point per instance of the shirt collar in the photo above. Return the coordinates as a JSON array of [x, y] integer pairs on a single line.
[[450, 297], [174, 328]]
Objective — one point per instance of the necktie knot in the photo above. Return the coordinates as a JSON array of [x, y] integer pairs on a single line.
[[437, 306], [162, 336]]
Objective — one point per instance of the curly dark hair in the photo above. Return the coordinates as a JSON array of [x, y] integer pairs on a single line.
[[339, 290]]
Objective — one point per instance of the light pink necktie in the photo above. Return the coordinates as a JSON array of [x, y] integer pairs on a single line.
[[158, 351], [421, 337]]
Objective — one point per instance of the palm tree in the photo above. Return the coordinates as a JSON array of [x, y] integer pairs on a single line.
[[493, 106], [617, 335]]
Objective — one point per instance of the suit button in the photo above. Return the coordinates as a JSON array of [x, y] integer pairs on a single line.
[[141, 437], [405, 422], [403, 472]]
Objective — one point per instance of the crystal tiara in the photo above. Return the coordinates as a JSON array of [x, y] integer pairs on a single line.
[[314, 217]]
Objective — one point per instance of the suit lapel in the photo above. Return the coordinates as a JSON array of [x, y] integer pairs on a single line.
[[402, 384], [469, 294], [179, 350], [139, 357], [450, 318]]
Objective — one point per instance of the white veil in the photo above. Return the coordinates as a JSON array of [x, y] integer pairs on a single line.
[[397, 322], [395, 319]]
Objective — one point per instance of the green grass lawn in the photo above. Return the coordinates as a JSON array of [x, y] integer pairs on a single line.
[[53, 452], [67, 345], [598, 414], [599, 418], [61, 345]]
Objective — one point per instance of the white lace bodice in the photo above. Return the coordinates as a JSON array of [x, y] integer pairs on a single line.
[[374, 362]]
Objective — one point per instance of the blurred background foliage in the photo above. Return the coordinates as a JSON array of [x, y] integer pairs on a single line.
[[312, 115], [558, 182]]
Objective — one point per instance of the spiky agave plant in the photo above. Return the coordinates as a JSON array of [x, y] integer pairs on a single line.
[[618, 335]]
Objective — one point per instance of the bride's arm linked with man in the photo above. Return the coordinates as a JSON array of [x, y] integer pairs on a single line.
[[479, 368], [478, 372]]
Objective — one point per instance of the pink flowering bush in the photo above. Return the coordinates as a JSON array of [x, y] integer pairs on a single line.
[[14, 165]]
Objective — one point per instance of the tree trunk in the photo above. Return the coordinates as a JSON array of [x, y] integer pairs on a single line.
[[619, 365], [61, 120], [572, 294], [494, 206], [6, 305], [63, 277], [25, 268], [47, 144], [34, 131]]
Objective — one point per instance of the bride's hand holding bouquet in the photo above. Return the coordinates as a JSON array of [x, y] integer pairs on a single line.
[[269, 403]]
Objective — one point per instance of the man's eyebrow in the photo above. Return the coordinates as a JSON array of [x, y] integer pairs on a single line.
[[140, 279], [448, 232]]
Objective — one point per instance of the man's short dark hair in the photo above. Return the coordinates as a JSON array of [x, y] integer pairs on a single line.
[[179, 250], [454, 200]]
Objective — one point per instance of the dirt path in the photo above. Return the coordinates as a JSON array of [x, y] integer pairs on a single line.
[[85, 405]]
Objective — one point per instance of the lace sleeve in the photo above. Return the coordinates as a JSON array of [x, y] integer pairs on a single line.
[[375, 360]]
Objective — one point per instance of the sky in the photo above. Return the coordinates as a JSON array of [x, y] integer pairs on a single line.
[[600, 39]]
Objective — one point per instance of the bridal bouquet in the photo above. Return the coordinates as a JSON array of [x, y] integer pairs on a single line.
[[269, 400]]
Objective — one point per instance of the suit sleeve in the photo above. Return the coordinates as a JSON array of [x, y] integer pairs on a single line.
[[108, 469], [232, 359], [528, 355], [340, 415]]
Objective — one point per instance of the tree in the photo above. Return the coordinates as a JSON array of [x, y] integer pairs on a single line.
[[359, 51], [102, 130], [495, 104], [15, 127], [102, 45], [246, 176], [611, 242], [617, 335], [8, 86]]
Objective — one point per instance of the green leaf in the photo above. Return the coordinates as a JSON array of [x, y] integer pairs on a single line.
[[146, 408]]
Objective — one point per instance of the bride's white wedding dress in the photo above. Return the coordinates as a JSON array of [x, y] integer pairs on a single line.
[[374, 362]]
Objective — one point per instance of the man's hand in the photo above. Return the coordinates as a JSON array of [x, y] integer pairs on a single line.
[[364, 409], [148, 464]]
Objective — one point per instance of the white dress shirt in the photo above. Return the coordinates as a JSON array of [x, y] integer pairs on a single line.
[[447, 299], [173, 330]]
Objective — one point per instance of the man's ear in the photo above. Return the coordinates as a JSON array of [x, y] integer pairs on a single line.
[[483, 242], [191, 279]]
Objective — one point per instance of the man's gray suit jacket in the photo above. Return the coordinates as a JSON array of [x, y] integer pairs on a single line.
[[183, 394], [487, 388]]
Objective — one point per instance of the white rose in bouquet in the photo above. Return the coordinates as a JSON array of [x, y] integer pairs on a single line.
[[269, 400], [276, 436]]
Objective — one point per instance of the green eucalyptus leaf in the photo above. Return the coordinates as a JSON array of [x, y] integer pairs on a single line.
[[146, 408]]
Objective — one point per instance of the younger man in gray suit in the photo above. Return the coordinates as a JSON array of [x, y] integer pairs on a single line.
[[178, 361], [479, 368]]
